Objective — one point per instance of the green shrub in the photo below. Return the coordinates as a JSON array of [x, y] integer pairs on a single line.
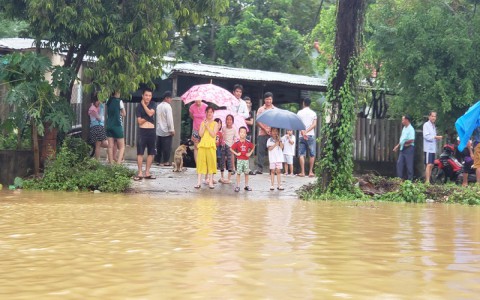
[[470, 196], [73, 170], [12, 140], [411, 192], [407, 192]]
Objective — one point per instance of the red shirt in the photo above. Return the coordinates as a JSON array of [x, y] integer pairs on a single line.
[[243, 148]]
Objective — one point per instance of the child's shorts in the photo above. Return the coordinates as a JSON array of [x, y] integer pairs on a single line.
[[243, 166], [276, 165], [288, 159]]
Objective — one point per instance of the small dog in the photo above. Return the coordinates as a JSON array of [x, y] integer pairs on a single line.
[[178, 158]]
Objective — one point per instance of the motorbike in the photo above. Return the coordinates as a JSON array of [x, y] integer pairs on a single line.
[[448, 168]]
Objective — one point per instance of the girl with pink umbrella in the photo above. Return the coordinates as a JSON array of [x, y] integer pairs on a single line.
[[207, 156], [197, 113]]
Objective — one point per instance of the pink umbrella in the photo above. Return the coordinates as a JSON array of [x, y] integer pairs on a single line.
[[210, 93], [238, 121]]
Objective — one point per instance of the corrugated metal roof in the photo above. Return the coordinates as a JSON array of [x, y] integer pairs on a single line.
[[211, 71], [16, 43]]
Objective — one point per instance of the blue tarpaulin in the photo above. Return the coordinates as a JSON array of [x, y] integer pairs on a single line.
[[467, 123]]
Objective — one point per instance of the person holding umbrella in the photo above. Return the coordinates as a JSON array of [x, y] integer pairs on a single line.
[[469, 125], [476, 153], [197, 113], [207, 150], [264, 132], [275, 158]]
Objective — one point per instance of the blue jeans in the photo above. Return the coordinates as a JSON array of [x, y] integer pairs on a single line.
[[405, 159]]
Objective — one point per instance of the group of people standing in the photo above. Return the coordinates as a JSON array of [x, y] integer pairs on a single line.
[[110, 136], [155, 130], [218, 146], [470, 155]]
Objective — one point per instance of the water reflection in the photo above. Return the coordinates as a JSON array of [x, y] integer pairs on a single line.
[[78, 246]]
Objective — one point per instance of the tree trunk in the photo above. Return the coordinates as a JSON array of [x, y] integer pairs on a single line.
[[36, 152], [338, 160]]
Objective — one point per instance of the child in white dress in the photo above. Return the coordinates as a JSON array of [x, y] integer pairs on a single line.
[[275, 158]]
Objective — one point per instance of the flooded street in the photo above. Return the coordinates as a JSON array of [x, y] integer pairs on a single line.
[[104, 246]]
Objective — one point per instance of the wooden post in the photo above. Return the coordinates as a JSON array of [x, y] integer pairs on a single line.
[[177, 123]]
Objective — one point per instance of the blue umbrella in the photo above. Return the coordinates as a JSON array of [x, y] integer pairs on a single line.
[[467, 123], [281, 118]]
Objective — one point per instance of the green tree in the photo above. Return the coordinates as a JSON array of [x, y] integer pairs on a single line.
[[34, 97], [11, 28], [429, 57], [255, 34], [260, 42], [128, 38]]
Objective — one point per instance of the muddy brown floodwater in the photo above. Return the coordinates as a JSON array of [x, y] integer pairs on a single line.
[[105, 246]]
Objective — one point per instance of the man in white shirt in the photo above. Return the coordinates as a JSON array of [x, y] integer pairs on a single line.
[[241, 109], [164, 130], [307, 138], [430, 138]]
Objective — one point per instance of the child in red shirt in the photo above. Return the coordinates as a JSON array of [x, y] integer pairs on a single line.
[[242, 149]]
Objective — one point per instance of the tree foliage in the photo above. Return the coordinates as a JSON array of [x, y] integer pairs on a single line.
[[263, 43], [429, 57], [128, 38], [11, 28], [255, 34], [36, 102]]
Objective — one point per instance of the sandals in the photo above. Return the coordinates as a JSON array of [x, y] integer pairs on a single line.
[[272, 188], [197, 186], [211, 187], [137, 178], [150, 177], [247, 188], [280, 188], [237, 189]]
